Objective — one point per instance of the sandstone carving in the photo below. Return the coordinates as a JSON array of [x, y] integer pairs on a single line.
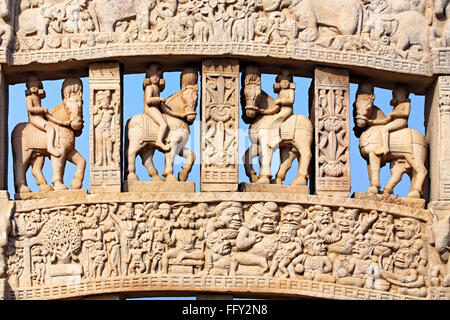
[[273, 125], [163, 119], [386, 139], [32, 141]]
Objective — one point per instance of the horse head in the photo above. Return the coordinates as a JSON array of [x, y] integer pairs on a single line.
[[72, 95], [189, 93], [252, 91], [439, 7], [363, 106]]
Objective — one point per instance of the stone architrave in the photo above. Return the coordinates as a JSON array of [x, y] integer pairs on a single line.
[[329, 113], [105, 83], [437, 115], [220, 125], [3, 131]]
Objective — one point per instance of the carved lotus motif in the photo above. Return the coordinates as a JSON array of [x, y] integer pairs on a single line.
[[332, 168], [220, 113], [332, 124]]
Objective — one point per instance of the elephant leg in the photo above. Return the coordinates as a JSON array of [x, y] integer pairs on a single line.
[[190, 159], [287, 157], [249, 155], [37, 164], [132, 152], [375, 166], [58, 166], [147, 161], [80, 163]]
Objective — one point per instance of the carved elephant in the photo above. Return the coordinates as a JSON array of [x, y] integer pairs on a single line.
[[405, 29], [344, 17], [275, 5], [34, 21], [109, 12], [441, 234]]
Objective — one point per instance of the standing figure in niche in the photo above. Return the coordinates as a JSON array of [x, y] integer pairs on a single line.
[[37, 114], [153, 85], [103, 125]]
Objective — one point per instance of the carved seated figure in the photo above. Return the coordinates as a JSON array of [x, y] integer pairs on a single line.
[[183, 239], [256, 241], [217, 258], [407, 274], [314, 263]]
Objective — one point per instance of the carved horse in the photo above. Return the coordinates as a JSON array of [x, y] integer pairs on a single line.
[[29, 143], [141, 131], [295, 143], [408, 150]]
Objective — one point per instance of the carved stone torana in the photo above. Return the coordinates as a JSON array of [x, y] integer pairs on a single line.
[[51, 251], [330, 114], [220, 125], [105, 85]]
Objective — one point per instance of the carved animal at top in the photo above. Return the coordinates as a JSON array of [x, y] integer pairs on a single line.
[[344, 17], [5, 29], [442, 9], [109, 12], [274, 5], [34, 21]]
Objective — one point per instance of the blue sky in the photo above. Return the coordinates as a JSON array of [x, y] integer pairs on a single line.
[[133, 104]]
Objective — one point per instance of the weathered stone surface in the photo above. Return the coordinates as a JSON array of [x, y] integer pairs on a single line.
[[274, 188]]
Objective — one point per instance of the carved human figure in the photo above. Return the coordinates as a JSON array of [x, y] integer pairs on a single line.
[[407, 235], [229, 219], [111, 239], [293, 215], [217, 258], [6, 30], [37, 113], [127, 229], [103, 125], [406, 273], [134, 259], [405, 149], [159, 226], [320, 221], [99, 257], [183, 240], [256, 241], [381, 237], [314, 262], [38, 262], [288, 249], [153, 85]]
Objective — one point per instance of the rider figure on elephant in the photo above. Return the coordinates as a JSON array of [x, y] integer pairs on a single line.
[[396, 120], [153, 103], [37, 113], [285, 87]]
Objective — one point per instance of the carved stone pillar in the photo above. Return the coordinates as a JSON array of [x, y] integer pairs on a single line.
[[329, 112], [3, 131], [105, 84], [220, 125], [437, 121]]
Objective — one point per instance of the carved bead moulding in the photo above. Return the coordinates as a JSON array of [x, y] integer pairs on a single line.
[[401, 36], [241, 243]]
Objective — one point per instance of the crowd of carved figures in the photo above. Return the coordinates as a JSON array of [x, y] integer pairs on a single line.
[[366, 249], [396, 28]]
